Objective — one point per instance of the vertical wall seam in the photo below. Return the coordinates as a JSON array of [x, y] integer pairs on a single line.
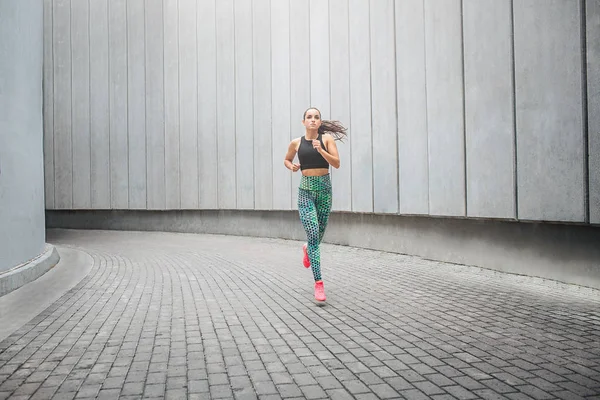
[[235, 178], [290, 90], [371, 110], [253, 88], [145, 104], [350, 111], [53, 112], [179, 104], [584, 109], [396, 108], [198, 155], [217, 102], [310, 97], [271, 101], [164, 125], [426, 105], [110, 189], [329, 53], [198, 102], [90, 98], [332, 174], [514, 111], [254, 194], [464, 104], [127, 102], [71, 101]]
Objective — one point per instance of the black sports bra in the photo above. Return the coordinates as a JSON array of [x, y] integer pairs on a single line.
[[309, 157]]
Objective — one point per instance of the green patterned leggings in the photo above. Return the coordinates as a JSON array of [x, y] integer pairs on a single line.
[[314, 206]]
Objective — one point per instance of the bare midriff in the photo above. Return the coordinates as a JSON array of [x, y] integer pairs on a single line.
[[315, 172]]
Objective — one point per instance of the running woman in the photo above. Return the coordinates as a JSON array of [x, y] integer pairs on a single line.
[[316, 151]]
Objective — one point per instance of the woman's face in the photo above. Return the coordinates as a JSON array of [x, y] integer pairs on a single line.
[[312, 119]]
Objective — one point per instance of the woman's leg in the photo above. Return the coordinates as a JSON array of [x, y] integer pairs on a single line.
[[310, 222], [323, 205]]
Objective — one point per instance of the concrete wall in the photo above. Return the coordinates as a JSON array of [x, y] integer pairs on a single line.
[[22, 225], [465, 108]]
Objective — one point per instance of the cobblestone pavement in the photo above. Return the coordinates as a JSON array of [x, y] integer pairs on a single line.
[[183, 316]]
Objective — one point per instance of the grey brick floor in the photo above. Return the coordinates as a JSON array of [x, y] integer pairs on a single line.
[[182, 316]]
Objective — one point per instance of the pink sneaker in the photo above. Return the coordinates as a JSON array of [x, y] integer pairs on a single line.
[[306, 260], [319, 291]]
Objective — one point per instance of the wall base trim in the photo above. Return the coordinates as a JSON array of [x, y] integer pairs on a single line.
[[561, 252]]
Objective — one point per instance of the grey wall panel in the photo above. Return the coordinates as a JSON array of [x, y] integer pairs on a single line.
[[489, 112], [171, 103], [383, 95], [48, 93], [244, 145], [22, 232], [226, 104], [99, 106], [155, 113], [340, 100], [63, 156], [299, 78], [136, 93], [280, 64], [188, 104], [263, 162], [207, 107], [80, 97], [445, 115], [549, 116], [319, 57], [360, 133], [117, 45], [593, 91], [412, 108]]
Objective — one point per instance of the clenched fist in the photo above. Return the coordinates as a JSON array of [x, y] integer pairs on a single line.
[[317, 145]]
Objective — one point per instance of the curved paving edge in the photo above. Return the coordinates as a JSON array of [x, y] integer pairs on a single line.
[[24, 303], [28, 271]]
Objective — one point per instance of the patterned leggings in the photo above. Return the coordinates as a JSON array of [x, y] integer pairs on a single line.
[[314, 206]]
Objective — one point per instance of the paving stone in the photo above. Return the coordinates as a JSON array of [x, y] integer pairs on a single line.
[[413, 394], [108, 394], [113, 383], [355, 387], [176, 394], [488, 394], [27, 389], [428, 388], [43, 393], [221, 392], [88, 391], [443, 397], [313, 392], [133, 388], [199, 386], [183, 316]]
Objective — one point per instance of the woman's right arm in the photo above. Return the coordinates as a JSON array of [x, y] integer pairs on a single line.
[[289, 157]]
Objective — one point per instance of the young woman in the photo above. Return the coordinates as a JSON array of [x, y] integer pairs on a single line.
[[316, 152]]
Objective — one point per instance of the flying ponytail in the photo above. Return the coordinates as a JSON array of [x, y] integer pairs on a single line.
[[333, 128]]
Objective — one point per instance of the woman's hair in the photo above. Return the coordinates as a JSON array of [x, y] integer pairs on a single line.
[[334, 128]]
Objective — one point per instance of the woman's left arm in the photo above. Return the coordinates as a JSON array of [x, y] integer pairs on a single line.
[[331, 154]]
